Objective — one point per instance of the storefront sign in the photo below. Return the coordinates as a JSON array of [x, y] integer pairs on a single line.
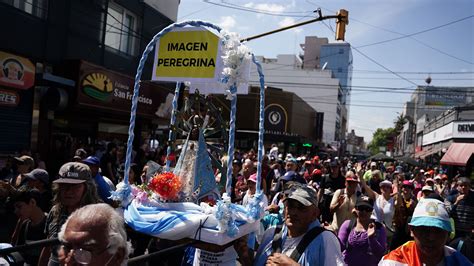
[[463, 129], [9, 98], [187, 54], [275, 118], [443, 133], [16, 71], [106, 89]]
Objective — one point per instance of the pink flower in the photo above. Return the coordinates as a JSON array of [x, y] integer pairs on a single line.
[[142, 197], [135, 191]]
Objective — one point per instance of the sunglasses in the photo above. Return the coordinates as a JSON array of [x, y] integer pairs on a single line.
[[364, 209]]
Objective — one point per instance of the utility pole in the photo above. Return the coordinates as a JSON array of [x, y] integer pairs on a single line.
[[342, 19]]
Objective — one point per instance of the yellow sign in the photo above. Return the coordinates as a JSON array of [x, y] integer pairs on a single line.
[[189, 54]]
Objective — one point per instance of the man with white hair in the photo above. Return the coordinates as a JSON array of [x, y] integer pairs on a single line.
[[94, 235]]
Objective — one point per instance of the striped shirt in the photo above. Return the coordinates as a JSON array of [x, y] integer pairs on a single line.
[[463, 214]]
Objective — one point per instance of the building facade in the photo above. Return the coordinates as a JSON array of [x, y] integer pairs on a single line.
[[289, 121], [425, 105], [444, 134], [84, 55], [318, 88], [355, 144]]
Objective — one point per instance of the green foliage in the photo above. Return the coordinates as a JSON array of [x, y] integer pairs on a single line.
[[380, 138], [399, 122]]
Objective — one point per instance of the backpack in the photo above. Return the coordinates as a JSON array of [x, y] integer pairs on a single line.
[[300, 248]]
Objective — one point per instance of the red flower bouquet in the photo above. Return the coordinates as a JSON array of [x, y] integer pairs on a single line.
[[167, 185]]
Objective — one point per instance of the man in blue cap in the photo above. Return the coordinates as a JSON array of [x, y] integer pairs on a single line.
[[39, 179], [290, 175], [103, 187]]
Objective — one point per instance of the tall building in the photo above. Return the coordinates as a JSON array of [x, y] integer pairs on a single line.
[[316, 87], [337, 57], [322, 76]]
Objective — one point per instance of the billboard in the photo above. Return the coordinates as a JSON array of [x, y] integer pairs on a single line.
[[446, 96]]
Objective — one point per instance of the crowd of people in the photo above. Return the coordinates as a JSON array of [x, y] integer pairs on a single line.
[[318, 211]]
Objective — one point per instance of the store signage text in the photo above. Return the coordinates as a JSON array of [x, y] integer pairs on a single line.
[[463, 129], [456, 129], [466, 128], [99, 86], [9, 98], [123, 91]]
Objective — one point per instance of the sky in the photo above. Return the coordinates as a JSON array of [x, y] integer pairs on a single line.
[[440, 44]]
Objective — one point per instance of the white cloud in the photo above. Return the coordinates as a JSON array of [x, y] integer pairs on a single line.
[[273, 8], [249, 5], [287, 21], [227, 22]]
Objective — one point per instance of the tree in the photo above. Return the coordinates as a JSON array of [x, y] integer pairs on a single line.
[[399, 122], [380, 139]]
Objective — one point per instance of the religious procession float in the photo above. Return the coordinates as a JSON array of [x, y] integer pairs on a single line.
[[185, 202]]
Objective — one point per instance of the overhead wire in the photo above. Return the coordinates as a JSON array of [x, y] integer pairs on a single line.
[[417, 33], [263, 12], [402, 34]]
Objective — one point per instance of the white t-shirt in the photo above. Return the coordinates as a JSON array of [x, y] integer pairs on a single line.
[[384, 211], [247, 197], [228, 257]]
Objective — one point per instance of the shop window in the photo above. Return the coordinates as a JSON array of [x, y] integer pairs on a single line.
[[121, 30], [37, 8]]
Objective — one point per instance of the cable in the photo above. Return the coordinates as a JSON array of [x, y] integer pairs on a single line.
[[416, 33], [382, 66], [241, 8], [368, 71], [376, 78], [260, 10], [468, 91], [192, 13], [418, 41], [398, 33]]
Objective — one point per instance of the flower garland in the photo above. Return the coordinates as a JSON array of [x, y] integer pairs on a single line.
[[235, 57], [166, 185]]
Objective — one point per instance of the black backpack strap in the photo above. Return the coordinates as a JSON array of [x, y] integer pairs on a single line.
[[307, 239], [277, 238]]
